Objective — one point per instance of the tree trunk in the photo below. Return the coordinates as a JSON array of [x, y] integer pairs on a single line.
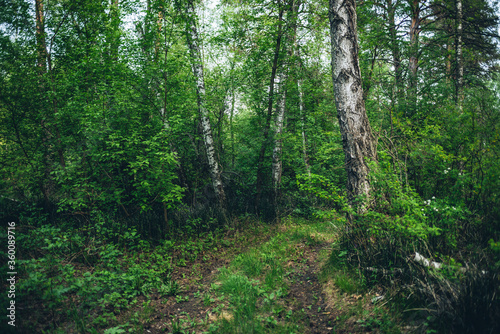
[[449, 49], [197, 66], [296, 52], [357, 138], [370, 74], [231, 128], [396, 53], [43, 59], [267, 126], [305, 156], [413, 65], [40, 37], [277, 165], [460, 60], [42, 69]]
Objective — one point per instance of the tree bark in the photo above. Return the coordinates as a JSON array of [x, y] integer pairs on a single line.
[[43, 59], [277, 166], [460, 60], [296, 52], [40, 38], [357, 138], [368, 84], [265, 134], [449, 49], [396, 53], [413, 65], [305, 156], [231, 128], [197, 67]]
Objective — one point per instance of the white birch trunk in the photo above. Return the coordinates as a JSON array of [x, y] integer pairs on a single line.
[[197, 66], [357, 138], [265, 133], [278, 131], [303, 126]]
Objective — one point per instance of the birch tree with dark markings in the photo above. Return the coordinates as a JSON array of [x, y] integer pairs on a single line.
[[197, 66], [357, 138], [267, 127]]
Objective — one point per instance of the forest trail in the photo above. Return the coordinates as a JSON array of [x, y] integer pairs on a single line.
[[253, 278], [274, 285]]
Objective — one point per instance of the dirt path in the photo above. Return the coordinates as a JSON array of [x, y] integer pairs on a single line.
[[307, 293], [194, 314]]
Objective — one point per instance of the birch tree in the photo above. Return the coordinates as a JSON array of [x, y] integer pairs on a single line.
[[305, 156], [357, 138], [277, 166], [302, 112], [265, 134], [197, 67]]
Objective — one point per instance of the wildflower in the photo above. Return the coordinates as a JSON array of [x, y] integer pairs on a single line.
[[445, 171], [433, 197]]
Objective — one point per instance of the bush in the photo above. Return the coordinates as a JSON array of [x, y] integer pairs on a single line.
[[382, 241]]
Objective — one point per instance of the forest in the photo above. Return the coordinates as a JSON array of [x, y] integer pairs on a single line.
[[250, 166]]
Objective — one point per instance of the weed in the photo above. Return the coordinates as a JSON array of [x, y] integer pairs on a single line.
[[207, 299], [180, 299]]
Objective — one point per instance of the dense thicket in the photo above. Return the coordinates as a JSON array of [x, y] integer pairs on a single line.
[[170, 115]]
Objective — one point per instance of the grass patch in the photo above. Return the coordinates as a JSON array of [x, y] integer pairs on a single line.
[[361, 307], [257, 283]]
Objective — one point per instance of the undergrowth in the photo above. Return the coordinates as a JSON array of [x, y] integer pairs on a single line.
[[462, 295], [89, 280]]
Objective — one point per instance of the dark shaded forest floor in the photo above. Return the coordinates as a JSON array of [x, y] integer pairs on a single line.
[[257, 279]]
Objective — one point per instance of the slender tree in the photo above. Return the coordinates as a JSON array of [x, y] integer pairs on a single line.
[[460, 60], [298, 63], [40, 37], [197, 67], [267, 126], [302, 111], [277, 165], [395, 50], [357, 138], [414, 56]]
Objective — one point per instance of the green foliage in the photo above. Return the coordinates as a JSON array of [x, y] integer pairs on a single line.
[[320, 187], [397, 210], [323, 193], [142, 172], [399, 222], [495, 249]]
